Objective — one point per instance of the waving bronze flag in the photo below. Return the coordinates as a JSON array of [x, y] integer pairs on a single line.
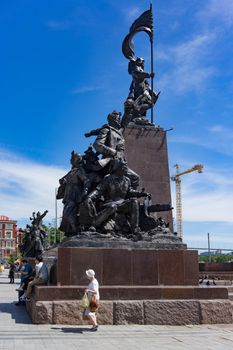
[[144, 23]]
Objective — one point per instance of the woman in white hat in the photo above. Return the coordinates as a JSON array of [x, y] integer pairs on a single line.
[[92, 290]]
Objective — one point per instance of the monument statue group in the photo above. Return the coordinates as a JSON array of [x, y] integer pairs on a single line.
[[147, 274], [100, 193]]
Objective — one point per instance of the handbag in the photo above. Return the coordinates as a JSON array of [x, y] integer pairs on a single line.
[[93, 306], [84, 303]]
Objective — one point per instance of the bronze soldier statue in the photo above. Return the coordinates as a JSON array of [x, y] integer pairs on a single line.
[[118, 198], [110, 144], [35, 237], [73, 188]]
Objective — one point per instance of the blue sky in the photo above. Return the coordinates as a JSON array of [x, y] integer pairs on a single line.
[[62, 72]]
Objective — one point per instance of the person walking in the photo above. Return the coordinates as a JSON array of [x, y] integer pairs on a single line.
[[92, 290], [12, 273]]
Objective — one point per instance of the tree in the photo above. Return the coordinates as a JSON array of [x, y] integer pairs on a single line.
[[216, 258], [54, 234], [11, 259]]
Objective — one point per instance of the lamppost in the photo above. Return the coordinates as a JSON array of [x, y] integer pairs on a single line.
[[56, 208], [55, 233], [209, 254]]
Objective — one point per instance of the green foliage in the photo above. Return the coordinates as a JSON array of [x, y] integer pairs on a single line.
[[216, 258], [54, 234], [11, 259], [203, 258]]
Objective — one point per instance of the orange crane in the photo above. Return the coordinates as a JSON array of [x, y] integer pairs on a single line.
[[177, 179]]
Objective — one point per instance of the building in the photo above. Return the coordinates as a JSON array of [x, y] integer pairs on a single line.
[[8, 237]]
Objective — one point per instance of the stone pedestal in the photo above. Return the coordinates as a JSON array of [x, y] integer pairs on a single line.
[[129, 267], [147, 155], [137, 286]]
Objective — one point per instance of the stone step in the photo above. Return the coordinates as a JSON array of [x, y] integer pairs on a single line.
[[49, 293], [223, 283]]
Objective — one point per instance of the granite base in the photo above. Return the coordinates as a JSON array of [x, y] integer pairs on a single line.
[[156, 312], [127, 266], [137, 286]]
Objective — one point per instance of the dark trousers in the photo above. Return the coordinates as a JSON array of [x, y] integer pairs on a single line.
[[20, 294]]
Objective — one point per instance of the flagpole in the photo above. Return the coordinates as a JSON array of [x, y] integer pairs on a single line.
[[152, 69]]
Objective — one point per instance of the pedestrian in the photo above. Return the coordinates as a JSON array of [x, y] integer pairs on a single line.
[[12, 273], [26, 272], [92, 290], [41, 278]]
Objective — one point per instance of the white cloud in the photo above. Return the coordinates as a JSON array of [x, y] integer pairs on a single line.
[[132, 13], [222, 132], [216, 11], [58, 25], [216, 129], [217, 138], [207, 196], [174, 25], [207, 200], [86, 88], [27, 186], [188, 69], [190, 51]]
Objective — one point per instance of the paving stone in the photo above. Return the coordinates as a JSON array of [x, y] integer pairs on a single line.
[[17, 331]]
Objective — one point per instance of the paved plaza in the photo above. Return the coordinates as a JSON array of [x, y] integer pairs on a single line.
[[17, 332]]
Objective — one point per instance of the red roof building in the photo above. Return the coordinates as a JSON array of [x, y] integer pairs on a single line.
[[8, 237]]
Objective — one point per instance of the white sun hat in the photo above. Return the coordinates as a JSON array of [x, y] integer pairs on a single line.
[[90, 273]]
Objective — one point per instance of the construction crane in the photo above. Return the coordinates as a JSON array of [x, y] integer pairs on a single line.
[[177, 179]]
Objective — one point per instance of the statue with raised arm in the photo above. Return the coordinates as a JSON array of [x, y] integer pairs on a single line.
[[35, 237], [37, 219]]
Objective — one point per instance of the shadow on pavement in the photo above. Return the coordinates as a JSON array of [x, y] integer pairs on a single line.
[[18, 313], [72, 329]]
